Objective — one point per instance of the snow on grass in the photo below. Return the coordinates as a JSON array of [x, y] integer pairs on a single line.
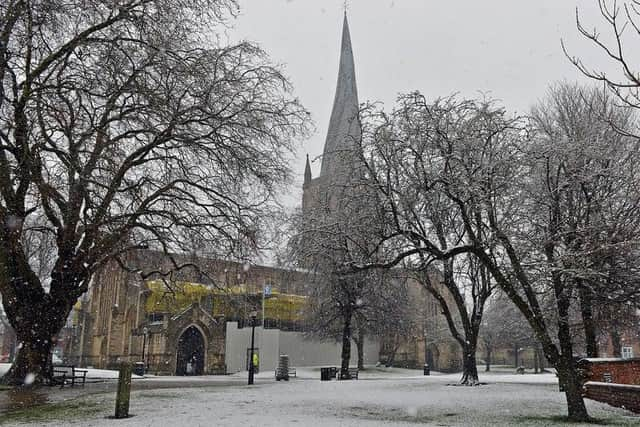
[[105, 374], [386, 401], [102, 374]]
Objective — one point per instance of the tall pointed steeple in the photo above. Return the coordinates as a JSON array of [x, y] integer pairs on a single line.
[[344, 127], [307, 172]]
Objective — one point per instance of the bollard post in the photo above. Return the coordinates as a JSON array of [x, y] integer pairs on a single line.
[[124, 390]]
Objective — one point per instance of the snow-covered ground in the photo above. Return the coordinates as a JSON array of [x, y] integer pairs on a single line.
[[382, 397]]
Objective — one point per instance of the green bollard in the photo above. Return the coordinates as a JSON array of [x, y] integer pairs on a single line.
[[124, 390]]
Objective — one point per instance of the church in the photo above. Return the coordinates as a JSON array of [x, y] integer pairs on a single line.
[[196, 321]]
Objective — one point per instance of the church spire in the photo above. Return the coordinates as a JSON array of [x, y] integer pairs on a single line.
[[344, 127], [307, 172]]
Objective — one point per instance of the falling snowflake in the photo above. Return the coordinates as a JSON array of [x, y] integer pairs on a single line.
[[29, 378]]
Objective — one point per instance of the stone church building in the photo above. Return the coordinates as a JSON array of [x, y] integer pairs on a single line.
[[170, 323], [179, 324]]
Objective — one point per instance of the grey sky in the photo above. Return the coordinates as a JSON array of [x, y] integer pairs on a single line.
[[509, 49]]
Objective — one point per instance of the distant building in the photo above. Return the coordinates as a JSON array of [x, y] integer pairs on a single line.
[[177, 319], [620, 336]]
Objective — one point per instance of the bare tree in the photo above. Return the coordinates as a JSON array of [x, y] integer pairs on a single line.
[[511, 189], [336, 230], [503, 326], [585, 131], [126, 125], [336, 233], [402, 163], [623, 21], [462, 294]]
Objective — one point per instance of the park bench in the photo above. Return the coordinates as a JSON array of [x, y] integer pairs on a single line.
[[353, 374], [65, 374]]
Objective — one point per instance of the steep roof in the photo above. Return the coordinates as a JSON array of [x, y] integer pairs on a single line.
[[307, 172], [344, 128]]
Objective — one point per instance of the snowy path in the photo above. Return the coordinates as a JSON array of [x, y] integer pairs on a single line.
[[393, 399]]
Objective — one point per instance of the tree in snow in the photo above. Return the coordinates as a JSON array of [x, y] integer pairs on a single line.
[[337, 229], [393, 313], [337, 232], [595, 190], [503, 327], [401, 152], [462, 294], [126, 125], [623, 21], [511, 188]]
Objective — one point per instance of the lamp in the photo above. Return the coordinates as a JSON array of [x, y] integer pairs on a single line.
[[253, 316]]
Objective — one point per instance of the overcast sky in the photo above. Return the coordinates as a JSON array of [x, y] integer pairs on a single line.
[[509, 49]]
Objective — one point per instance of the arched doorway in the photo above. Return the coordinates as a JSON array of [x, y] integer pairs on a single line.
[[433, 356], [190, 358]]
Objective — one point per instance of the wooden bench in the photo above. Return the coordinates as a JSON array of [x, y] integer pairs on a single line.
[[62, 374], [353, 374]]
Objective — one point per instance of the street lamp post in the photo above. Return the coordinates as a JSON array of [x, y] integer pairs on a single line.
[[254, 314], [145, 332]]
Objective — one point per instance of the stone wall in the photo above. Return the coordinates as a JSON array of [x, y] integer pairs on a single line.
[[612, 381], [618, 371], [620, 395]]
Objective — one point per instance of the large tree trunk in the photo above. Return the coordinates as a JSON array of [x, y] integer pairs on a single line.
[[392, 355], [31, 364], [487, 359], [565, 365], [36, 328], [346, 344], [469, 366], [570, 381], [586, 310], [360, 347], [541, 360]]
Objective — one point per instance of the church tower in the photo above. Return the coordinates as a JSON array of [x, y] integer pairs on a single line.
[[343, 134]]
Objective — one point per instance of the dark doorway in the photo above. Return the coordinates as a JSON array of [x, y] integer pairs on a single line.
[[190, 353], [432, 356]]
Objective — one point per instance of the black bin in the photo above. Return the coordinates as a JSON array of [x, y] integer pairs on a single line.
[[138, 368], [426, 370], [325, 374]]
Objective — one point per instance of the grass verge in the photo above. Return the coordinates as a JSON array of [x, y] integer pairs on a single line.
[[68, 410]]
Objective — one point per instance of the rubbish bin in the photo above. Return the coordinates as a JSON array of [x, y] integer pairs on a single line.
[[282, 371], [138, 368], [426, 369], [325, 374], [333, 372]]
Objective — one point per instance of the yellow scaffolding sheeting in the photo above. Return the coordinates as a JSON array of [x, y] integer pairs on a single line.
[[175, 297]]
